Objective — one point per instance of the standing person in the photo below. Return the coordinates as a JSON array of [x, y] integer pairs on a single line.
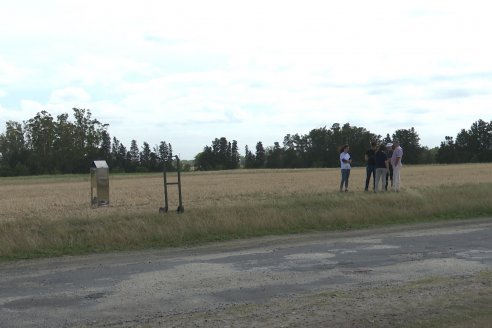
[[345, 162], [389, 174], [397, 164], [370, 166], [382, 166]]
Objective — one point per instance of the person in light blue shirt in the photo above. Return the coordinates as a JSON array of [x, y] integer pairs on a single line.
[[389, 174], [396, 162], [345, 161]]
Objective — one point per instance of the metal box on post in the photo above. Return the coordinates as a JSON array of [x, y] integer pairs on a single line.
[[99, 184]]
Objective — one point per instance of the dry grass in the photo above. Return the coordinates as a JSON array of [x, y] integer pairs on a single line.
[[54, 198], [52, 215]]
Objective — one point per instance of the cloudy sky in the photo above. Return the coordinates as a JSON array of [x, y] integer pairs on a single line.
[[188, 72]]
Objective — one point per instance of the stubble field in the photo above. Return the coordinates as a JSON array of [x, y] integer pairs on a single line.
[[51, 215]]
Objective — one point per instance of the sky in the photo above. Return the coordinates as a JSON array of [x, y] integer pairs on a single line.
[[187, 72]]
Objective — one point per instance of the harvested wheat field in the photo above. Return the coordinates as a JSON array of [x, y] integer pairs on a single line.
[[52, 215], [65, 197]]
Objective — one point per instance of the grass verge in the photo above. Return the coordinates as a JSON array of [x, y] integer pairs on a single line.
[[257, 216]]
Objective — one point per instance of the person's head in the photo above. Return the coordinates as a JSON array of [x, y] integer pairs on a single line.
[[344, 148], [389, 146], [396, 143], [373, 144], [382, 147]]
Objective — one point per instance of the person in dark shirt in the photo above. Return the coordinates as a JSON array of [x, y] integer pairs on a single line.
[[370, 166], [382, 166]]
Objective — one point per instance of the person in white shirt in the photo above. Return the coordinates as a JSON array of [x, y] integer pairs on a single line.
[[397, 164], [345, 162]]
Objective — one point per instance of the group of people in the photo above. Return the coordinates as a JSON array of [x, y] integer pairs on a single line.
[[383, 163]]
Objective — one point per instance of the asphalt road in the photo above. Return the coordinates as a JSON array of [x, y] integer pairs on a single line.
[[132, 288]]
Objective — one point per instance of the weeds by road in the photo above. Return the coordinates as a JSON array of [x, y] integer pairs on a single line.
[[51, 216]]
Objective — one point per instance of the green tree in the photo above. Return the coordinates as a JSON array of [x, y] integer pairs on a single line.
[[447, 152], [118, 155], [357, 138], [221, 151], [13, 151], [145, 157], [105, 147], [410, 142], [204, 160], [165, 154], [295, 147], [40, 137], [154, 164], [292, 155], [234, 158], [274, 156], [480, 141], [473, 145], [260, 158], [428, 156], [318, 146], [87, 137], [65, 154], [221, 155], [124, 162], [387, 139], [249, 158], [133, 156]]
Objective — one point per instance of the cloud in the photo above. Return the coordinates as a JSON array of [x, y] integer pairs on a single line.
[[31, 106], [191, 71], [105, 71], [10, 73], [453, 93]]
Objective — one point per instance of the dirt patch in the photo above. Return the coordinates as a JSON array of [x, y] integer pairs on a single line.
[[436, 302]]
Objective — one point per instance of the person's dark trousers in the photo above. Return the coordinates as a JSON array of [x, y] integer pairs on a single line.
[[370, 170], [389, 176]]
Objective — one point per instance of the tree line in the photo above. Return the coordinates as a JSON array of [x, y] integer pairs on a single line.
[[472, 145], [319, 148], [45, 145]]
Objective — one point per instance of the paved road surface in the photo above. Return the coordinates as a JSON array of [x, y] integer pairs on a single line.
[[134, 287]]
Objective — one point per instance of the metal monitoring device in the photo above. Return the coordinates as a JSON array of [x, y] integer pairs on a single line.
[[99, 184], [180, 208]]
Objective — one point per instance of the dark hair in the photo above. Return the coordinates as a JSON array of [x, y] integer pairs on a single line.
[[382, 147], [342, 147], [373, 143]]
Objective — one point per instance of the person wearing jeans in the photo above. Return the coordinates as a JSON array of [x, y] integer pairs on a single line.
[[382, 167], [396, 159], [345, 161]]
